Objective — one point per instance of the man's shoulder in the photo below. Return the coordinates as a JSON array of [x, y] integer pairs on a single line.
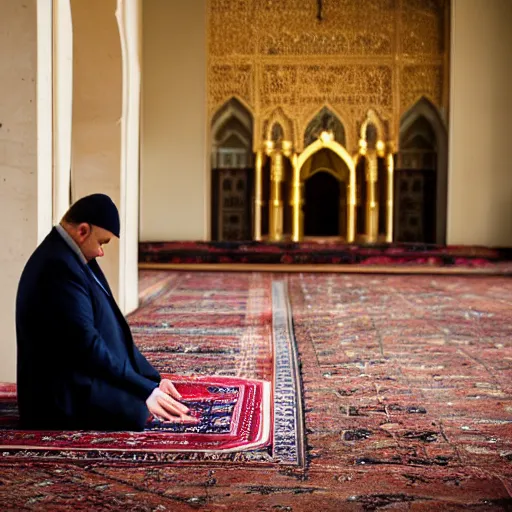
[[53, 254]]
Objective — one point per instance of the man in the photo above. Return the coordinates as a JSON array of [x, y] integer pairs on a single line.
[[78, 367]]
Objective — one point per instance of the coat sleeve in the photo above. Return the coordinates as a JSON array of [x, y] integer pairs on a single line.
[[71, 309], [145, 367]]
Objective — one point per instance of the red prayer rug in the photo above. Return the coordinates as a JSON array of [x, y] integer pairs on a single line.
[[234, 415]]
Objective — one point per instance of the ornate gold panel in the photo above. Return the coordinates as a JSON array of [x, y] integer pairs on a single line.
[[352, 55], [418, 81], [227, 80], [306, 85], [232, 31], [424, 20]]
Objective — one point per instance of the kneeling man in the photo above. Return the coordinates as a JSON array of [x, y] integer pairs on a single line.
[[78, 367]]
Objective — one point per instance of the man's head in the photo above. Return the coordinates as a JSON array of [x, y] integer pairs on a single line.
[[92, 221]]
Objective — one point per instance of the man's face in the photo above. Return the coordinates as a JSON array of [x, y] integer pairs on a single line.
[[91, 240]]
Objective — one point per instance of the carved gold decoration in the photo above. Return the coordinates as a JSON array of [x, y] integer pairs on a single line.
[[258, 195], [418, 81], [275, 56], [389, 206], [374, 119], [234, 32], [367, 62], [337, 34], [279, 116], [276, 202], [372, 206], [424, 22], [230, 80]]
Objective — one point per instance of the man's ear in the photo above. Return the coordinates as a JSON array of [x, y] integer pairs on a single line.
[[83, 230]]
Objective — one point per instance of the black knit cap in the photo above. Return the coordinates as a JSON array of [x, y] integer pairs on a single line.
[[98, 210]]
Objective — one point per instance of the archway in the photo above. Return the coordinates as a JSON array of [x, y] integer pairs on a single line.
[[421, 176], [344, 171], [324, 121], [232, 172]]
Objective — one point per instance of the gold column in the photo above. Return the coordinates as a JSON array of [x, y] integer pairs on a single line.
[[372, 211], [258, 192], [276, 202], [390, 164], [351, 211], [296, 201]]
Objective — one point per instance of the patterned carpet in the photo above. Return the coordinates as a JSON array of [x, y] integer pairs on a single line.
[[407, 397], [408, 388], [215, 334], [328, 252], [219, 324]]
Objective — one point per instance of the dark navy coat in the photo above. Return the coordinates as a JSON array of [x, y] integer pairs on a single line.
[[78, 367]]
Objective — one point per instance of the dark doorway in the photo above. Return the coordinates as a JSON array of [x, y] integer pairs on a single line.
[[232, 173], [321, 211], [421, 176], [415, 206], [361, 194]]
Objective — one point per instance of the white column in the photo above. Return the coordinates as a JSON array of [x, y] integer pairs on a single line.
[[128, 16], [44, 117], [62, 105]]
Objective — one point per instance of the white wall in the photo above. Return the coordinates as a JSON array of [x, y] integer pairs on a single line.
[[18, 161], [175, 185], [480, 168], [97, 106]]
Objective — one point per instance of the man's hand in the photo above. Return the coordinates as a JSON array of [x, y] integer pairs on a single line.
[[168, 387], [163, 406]]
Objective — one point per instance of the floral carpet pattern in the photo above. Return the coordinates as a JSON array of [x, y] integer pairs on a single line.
[[407, 394]]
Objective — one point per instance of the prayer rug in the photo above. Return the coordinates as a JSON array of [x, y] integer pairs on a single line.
[[234, 414], [228, 346]]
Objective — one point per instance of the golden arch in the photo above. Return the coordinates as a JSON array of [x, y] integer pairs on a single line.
[[279, 116], [333, 173], [324, 142]]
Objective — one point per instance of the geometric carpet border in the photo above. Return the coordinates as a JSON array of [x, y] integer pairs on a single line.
[[288, 446]]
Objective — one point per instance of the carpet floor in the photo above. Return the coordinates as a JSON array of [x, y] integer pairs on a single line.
[[407, 396]]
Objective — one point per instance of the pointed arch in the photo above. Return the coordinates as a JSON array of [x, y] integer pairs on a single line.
[[326, 142], [230, 135], [423, 108], [233, 108], [231, 171], [279, 117], [324, 119], [372, 118], [276, 133], [425, 119]]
